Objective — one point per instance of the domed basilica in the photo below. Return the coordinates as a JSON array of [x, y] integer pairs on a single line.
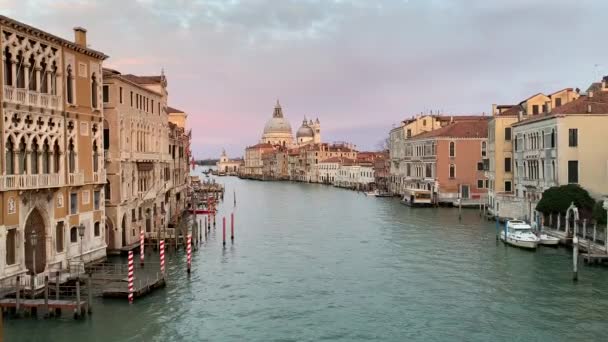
[[278, 131]]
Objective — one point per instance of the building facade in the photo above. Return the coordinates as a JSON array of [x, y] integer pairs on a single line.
[[136, 131], [559, 148], [227, 165], [448, 162], [53, 175]]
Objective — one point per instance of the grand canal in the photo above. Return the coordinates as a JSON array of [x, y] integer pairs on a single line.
[[312, 262]]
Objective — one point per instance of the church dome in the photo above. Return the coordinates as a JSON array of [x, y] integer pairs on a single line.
[[305, 131], [277, 125]]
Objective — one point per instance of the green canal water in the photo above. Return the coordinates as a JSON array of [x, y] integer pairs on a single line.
[[313, 262]]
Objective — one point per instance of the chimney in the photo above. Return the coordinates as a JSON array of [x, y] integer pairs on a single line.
[[494, 110], [80, 36], [520, 115], [589, 108], [590, 93], [549, 107]]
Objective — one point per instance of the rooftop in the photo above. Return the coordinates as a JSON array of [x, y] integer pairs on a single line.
[[459, 129]]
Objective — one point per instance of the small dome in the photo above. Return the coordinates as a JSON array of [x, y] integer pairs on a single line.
[[304, 132]]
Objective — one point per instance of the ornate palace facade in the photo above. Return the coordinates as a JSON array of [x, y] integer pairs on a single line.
[[52, 170]]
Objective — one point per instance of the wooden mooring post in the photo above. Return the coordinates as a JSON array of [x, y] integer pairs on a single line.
[[78, 309], [46, 296], [575, 258], [89, 293], [18, 295]]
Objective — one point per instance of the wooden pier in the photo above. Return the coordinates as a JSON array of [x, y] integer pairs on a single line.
[[120, 289], [53, 304]]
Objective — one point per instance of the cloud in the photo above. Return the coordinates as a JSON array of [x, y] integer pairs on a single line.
[[358, 65]]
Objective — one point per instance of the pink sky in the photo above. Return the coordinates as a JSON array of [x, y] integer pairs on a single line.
[[359, 66]]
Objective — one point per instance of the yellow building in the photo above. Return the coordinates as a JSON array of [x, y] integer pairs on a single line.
[[561, 148], [500, 166], [53, 175]]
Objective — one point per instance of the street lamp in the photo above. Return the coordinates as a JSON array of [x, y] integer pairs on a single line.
[[81, 234]]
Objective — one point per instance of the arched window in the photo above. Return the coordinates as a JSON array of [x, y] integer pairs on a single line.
[[452, 171], [8, 67], [73, 235], [94, 90], [33, 81], [22, 157], [69, 85], [53, 76], [56, 157], [44, 87], [71, 157], [34, 156], [10, 156], [452, 149], [107, 188], [96, 229], [46, 157], [95, 157], [20, 70]]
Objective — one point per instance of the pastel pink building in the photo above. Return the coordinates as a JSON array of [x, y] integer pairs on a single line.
[[448, 162]]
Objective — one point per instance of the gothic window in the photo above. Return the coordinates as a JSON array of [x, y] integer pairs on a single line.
[[8, 67], [22, 157], [32, 74], [20, 71], [10, 156], [53, 79], [452, 149], [44, 87], [71, 157], [56, 155], [34, 156], [69, 86], [94, 90]]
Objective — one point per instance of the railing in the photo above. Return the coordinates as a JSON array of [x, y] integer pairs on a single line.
[[15, 182], [32, 98], [76, 178], [145, 155], [99, 177]]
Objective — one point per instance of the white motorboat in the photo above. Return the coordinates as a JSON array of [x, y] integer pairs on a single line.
[[371, 193], [519, 234], [547, 240]]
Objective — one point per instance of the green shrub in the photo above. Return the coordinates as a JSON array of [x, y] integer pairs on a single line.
[[557, 199]]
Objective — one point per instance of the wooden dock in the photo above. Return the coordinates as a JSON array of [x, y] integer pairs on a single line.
[[120, 289], [590, 258], [61, 304]]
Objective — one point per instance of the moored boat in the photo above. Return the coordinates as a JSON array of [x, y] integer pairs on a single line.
[[417, 198], [371, 193], [519, 234], [547, 240]]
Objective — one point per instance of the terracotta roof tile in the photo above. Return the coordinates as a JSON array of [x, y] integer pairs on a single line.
[[459, 129]]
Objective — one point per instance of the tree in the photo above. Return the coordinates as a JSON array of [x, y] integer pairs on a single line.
[[558, 199], [599, 213]]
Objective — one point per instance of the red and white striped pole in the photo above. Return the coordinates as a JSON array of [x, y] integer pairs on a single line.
[[130, 277], [162, 257], [232, 226], [224, 230], [141, 247], [189, 251]]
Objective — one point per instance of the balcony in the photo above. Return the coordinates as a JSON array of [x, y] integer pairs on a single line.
[[99, 177], [76, 179], [31, 98], [23, 182], [145, 156], [531, 154]]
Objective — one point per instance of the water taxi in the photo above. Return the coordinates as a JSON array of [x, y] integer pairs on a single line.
[[519, 234], [417, 198]]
